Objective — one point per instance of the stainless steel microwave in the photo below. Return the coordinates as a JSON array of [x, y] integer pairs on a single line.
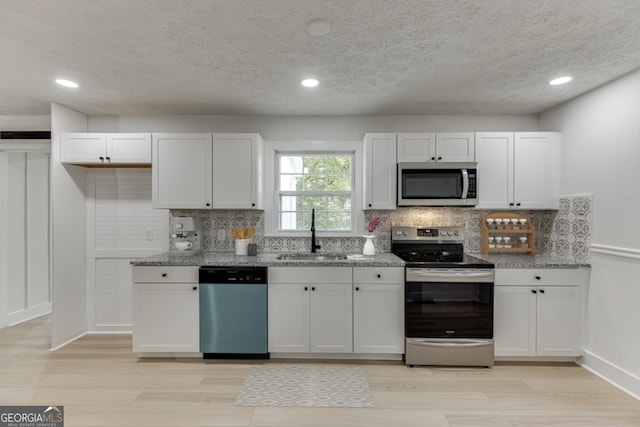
[[437, 184]]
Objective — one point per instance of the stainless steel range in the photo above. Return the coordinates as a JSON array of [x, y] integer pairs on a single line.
[[448, 298]]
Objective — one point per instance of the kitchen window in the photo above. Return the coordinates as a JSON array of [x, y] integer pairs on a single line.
[[308, 175], [323, 182]]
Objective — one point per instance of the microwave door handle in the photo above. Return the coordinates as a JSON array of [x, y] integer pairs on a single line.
[[465, 183]]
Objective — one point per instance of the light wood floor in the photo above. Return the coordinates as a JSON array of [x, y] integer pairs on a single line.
[[101, 383]]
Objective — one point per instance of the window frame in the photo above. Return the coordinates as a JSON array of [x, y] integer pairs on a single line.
[[273, 148]]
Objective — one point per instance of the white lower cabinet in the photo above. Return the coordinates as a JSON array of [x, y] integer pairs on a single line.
[[538, 312], [310, 310], [165, 309], [378, 310]]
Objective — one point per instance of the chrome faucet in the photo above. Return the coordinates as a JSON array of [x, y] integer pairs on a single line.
[[314, 246]]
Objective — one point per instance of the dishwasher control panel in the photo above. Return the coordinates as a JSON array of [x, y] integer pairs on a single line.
[[233, 275]]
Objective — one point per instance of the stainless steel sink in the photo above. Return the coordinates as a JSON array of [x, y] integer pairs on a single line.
[[311, 257]]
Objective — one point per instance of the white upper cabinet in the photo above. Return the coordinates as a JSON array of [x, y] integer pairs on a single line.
[[106, 149], [208, 171], [182, 170], [380, 171], [237, 171], [518, 170], [436, 147], [416, 147]]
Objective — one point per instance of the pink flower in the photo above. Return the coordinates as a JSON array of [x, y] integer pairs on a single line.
[[373, 224]]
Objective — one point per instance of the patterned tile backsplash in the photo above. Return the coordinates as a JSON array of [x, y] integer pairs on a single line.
[[565, 233]]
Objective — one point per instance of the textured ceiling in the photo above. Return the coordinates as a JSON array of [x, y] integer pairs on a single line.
[[248, 56]]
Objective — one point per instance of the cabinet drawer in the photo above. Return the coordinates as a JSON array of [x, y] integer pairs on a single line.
[[165, 274], [378, 275], [529, 277], [310, 274]]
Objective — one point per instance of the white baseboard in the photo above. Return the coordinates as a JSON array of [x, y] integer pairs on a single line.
[[28, 314], [614, 375], [58, 347]]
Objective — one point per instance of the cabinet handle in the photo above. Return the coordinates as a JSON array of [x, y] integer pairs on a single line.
[[313, 288], [533, 291], [518, 204], [542, 291], [164, 274], [108, 159], [253, 204], [379, 275], [101, 158], [357, 288], [511, 204], [433, 158], [208, 204], [369, 204], [195, 288], [306, 288], [439, 157], [538, 277]]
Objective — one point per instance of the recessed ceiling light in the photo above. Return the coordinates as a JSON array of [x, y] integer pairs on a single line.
[[67, 83], [318, 27], [310, 83], [560, 80]]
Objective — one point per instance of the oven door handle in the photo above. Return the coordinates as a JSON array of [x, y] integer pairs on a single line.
[[447, 344], [456, 274]]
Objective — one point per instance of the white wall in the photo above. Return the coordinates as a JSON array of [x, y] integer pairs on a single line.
[[337, 128], [601, 150], [69, 249], [25, 123]]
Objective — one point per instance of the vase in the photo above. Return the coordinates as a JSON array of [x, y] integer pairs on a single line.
[[368, 248]]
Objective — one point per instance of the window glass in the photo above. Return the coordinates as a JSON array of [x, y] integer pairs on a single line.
[[323, 182]]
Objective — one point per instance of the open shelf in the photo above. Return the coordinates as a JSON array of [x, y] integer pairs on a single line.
[[493, 234]]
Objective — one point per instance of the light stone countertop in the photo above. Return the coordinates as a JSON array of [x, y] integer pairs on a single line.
[[529, 261], [353, 260], [266, 260]]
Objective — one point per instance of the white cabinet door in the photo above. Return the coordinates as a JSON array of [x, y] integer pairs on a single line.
[[514, 321], [416, 147], [109, 148], [536, 170], [331, 315], [380, 171], [182, 171], [83, 148], [237, 171], [128, 148], [494, 154], [166, 317], [288, 318], [538, 312], [518, 171], [310, 309], [455, 147], [378, 310], [558, 321]]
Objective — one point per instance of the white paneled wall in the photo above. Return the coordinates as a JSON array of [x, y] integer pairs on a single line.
[[121, 226], [24, 230]]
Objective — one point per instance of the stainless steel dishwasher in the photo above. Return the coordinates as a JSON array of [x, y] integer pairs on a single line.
[[233, 312]]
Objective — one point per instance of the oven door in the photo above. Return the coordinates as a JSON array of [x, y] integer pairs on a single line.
[[449, 303]]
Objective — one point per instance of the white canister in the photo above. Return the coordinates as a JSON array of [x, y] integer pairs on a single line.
[[242, 246]]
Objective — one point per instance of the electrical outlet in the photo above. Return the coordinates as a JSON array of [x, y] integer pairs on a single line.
[[222, 235]]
